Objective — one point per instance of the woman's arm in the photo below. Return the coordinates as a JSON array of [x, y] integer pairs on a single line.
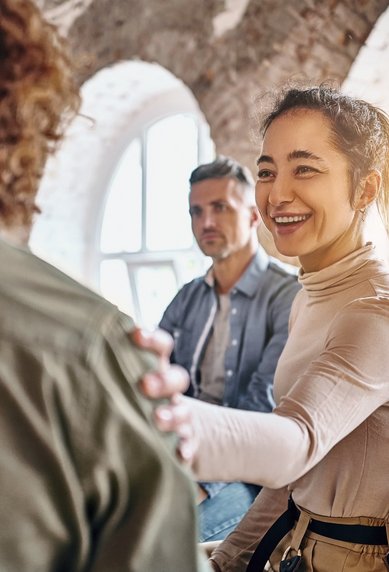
[[248, 446], [337, 392]]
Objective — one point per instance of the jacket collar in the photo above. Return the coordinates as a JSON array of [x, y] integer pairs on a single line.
[[249, 281]]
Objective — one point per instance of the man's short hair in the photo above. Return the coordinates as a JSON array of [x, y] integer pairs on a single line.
[[222, 167]]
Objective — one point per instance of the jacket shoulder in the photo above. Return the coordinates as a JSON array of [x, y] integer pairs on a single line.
[[287, 271], [191, 288], [35, 293]]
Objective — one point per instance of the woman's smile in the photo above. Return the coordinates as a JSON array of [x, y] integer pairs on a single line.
[[288, 223]]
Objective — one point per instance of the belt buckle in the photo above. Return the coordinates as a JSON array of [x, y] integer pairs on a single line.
[[291, 564]]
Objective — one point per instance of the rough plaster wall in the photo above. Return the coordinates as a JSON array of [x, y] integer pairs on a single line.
[[225, 51]]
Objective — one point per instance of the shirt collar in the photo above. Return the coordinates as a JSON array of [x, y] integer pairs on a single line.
[[248, 282]]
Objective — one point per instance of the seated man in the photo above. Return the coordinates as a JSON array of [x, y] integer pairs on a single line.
[[87, 482], [231, 325]]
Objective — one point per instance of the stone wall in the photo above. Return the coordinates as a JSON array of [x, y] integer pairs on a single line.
[[225, 51]]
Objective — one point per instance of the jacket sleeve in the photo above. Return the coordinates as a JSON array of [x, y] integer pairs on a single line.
[[128, 469], [171, 319], [259, 394], [87, 481]]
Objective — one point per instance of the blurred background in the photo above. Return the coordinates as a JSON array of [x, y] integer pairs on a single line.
[[167, 84]]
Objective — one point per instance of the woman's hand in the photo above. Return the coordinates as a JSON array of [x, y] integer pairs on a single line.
[[170, 381]]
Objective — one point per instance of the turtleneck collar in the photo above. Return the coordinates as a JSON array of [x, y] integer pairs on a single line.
[[353, 268]]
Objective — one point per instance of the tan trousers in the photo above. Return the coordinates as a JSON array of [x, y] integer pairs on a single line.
[[321, 554]]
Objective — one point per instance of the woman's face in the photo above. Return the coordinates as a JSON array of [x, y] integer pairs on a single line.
[[304, 192]]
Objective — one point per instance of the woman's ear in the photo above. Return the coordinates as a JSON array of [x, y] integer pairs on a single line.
[[369, 189]]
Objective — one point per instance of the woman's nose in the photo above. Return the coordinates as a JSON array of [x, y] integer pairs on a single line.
[[281, 191]]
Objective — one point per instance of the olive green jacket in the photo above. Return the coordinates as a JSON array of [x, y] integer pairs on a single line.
[[86, 482]]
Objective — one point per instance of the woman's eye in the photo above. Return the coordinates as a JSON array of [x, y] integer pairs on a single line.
[[305, 170]]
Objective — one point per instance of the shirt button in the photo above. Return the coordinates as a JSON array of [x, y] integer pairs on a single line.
[[229, 372], [233, 291], [234, 342], [234, 311]]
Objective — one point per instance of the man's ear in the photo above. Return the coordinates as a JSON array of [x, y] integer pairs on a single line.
[[369, 190], [255, 216]]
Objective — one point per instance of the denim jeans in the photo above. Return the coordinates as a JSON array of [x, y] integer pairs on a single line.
[[220, 513]]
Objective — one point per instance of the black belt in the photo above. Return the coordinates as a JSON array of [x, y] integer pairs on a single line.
[[355, 533]]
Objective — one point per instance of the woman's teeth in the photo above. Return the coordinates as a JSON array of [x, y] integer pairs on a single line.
[[289, 219]]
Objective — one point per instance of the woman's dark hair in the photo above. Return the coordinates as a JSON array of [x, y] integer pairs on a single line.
[[360, 131]]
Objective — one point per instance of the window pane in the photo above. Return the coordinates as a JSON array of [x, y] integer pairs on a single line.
[[115, 285], [172, 153], [192, 265], [122, 223], [156, 285]]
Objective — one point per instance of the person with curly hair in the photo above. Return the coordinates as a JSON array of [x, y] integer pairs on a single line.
[[87, 482], [38, 95]]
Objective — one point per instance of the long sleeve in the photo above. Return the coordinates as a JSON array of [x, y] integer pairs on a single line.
[[337, 392], [248, 446]]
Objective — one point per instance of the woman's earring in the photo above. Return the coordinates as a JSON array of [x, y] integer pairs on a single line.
[[363, 214]]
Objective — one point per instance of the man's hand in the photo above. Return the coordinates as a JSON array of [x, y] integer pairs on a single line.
[[170, 381]]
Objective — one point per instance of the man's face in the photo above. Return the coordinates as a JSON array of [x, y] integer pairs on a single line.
[[222, 220]]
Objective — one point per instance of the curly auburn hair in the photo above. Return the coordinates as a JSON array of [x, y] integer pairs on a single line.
[[38, 96]]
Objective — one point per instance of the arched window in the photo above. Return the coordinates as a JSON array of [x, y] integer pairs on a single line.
[[146, 243], [114, 198]]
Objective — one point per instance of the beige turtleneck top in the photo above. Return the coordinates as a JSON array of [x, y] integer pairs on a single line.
[[327, 439]]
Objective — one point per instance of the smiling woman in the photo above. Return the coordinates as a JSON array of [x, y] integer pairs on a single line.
[[298, 188], [323, 164]]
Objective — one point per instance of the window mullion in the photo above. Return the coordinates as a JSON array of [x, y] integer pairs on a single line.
[[144, 190]]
